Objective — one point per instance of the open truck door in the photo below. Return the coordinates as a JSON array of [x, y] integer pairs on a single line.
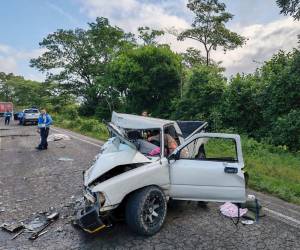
[[208, 167]]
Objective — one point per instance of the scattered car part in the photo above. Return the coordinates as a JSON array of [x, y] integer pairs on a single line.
[[65, 159], [51, 219], [13, 227], [17, 234]]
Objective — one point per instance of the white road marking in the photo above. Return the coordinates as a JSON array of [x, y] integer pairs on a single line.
[[73, 136], [282, 215], [265, 208]]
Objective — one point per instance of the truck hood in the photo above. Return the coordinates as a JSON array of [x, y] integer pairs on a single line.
[[112, 154]]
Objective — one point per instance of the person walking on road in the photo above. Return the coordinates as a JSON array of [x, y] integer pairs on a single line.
[[7, 116], [44, 123]]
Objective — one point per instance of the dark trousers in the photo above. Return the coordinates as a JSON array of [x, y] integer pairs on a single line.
[[44, 135], [7, 120]]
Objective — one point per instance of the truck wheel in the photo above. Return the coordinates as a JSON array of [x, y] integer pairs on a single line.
[[146, 210]]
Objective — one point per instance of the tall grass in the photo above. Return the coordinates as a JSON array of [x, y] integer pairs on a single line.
[[272, 169]]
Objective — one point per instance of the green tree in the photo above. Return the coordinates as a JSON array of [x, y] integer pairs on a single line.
[[149, 36], [202, 96], [240, 106], [78, 59], [148, 78], [6, 90], [192, 57], [281, 77], [290, 7], [209, 28]]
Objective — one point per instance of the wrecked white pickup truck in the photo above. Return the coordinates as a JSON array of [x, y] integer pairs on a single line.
[[137, 172]]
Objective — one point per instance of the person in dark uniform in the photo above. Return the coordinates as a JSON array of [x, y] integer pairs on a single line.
[[7, 116]]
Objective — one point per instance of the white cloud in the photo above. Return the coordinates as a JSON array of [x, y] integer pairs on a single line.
[[130, 14], [12, 61], [8, 64], [264, 40]]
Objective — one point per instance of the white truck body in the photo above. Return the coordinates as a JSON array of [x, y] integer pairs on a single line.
[[182, 178]]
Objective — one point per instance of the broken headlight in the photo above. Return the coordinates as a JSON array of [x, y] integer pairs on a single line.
[[101, 199], [93, 197], [90, 197]]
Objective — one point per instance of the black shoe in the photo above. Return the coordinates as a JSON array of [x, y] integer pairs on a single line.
[[38, 148]]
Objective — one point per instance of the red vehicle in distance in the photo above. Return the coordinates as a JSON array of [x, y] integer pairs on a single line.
[[4, 106]]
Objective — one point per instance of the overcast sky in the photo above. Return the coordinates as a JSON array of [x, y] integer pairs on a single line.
[[24, 23]]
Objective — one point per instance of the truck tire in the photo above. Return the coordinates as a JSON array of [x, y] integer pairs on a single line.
[[146, 210]]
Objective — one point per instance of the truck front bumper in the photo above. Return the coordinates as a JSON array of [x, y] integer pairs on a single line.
[[89, 220]]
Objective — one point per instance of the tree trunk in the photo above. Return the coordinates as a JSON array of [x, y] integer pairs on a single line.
[[207, 57]]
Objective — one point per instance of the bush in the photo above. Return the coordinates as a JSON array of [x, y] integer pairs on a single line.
[[286, 130], [70, 112]]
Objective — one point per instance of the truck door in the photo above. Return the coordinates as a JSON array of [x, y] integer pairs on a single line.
[[208, 167]]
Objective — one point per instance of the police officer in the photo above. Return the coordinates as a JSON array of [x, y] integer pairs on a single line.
[[44, 123], [7, 116]]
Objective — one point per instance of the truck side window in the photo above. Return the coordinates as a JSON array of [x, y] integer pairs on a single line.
[[210, 149]]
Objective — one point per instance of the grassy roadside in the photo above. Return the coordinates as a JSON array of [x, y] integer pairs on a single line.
[[272, 169], [86, 126]]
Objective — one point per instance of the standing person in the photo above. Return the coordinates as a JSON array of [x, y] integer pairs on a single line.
[[44, 123], [7, 116]]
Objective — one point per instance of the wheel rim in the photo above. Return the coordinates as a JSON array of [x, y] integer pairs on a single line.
[[153, 210]]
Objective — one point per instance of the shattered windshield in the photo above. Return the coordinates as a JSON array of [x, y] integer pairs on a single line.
[[117, 132], [146, 141]]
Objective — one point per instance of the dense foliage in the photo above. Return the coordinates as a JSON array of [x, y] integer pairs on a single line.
[[93, 71], [147, 78], [25, 93]]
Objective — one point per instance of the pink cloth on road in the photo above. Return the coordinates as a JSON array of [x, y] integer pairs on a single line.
[[230, 210]]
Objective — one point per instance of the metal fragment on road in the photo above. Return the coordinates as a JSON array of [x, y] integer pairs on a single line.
[[65, 159], [50, 219], [13, 227], [35, 224], [17, 234], [53, 216]]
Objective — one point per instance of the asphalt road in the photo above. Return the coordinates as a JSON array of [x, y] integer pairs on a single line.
[[34, 181]]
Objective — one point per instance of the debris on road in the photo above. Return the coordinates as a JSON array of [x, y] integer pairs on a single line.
[[65, 159], [35, 226], [58, 137], [13, 227], [17, 234], [50, 219], [36, 223], [247, 222], [36, 235]]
